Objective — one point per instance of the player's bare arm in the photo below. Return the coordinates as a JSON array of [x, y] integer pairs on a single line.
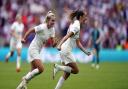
[[54, 41], [32, 30], [81, 47], [13, 33], [64, 39]]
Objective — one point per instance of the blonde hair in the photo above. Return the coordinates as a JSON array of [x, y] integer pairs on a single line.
[[18, 16], [48, 16]]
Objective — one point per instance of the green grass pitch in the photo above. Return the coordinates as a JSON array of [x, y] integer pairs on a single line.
[[109, 76]]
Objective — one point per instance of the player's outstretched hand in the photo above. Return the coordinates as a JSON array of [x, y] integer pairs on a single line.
[[59, 48], [23, 40], [88, 53], [55, 42]]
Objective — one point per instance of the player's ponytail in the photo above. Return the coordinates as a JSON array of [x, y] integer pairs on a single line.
[[73, 14], [76, 14]]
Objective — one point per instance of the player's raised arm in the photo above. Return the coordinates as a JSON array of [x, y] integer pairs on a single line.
[[31, 30], [81, 47], [64, 39], [44, 32]]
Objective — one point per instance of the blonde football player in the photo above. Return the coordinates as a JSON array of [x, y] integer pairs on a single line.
[[43, 32], [15, 42]]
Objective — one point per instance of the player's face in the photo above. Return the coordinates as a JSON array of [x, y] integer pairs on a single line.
[[84, 18], [96, 24], [19, 19], [51, 22]]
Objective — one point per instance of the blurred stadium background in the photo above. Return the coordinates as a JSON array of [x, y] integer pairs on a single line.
[[112, 16]]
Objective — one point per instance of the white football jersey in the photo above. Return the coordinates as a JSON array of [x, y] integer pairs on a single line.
[[18, 28], [70, 43], [42, 35]]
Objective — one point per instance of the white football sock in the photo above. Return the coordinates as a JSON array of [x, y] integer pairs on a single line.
[[63, 68], [32, 74], [60, 83], [18, 62], [8, 55]]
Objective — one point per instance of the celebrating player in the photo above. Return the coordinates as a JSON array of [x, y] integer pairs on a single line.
[[67, 44], [43, 32], [15, 42]]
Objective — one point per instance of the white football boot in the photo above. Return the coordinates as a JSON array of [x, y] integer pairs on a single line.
[[23, 84], [55, 70]]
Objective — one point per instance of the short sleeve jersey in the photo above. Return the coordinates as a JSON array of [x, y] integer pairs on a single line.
[[70, 43], [18, 28], [42, 35]]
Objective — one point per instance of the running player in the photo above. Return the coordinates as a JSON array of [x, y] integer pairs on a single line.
[[67, 44], [43, 32], [15, 42]]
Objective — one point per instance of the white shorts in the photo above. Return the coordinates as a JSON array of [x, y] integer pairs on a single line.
[[33, 54], [67, 57], [15, 44]]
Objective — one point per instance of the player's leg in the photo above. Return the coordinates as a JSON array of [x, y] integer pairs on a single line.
[[63, 67], [12, 48], [10, 54], [18, 61], [97, 58], [37, 68], [74, 67], [62, 79], [94, 58], [69, 68], [36, 64], [74, 70]]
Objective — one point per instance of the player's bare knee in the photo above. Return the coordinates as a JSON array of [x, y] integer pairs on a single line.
[[41, 69], [65, 78], [76, 71], [19, 54]]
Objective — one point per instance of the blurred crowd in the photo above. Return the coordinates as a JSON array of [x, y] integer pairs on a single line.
[[111, 15]]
